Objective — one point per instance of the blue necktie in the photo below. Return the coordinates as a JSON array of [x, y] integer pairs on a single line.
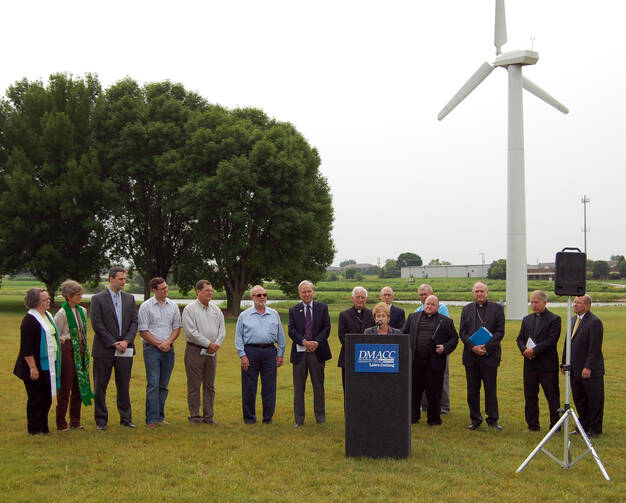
[[308, 324]]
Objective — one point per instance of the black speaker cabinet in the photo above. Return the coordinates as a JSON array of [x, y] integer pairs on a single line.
[[570, 273]]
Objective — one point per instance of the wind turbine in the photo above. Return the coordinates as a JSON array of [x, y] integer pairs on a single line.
[[516, 268]]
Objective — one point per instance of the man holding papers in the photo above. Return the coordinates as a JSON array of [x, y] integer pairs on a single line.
[[481, 355], [114, 322], [537, 341]]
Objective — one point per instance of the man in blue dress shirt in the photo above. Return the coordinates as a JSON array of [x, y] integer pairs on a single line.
[[258, 332]]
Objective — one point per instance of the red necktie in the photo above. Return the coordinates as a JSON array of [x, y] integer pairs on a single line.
[[308, 324]]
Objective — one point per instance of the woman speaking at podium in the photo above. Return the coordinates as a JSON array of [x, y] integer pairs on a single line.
[[381, 313]]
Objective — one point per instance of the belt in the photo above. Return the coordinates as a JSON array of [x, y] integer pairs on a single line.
[[195, 345], [260, 345]]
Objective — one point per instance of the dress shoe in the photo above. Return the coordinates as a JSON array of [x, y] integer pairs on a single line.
[[163, 421], [268, 421], [77, 427], [101, 427], [195, 420], [531, 430], [128, 424], [496, 426], [473, 426], [64, 428], [593, 434], [298, 425], [444, 412], [209, 421], [435, 424]]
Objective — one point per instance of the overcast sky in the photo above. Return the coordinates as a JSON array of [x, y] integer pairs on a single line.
[[363, 82]]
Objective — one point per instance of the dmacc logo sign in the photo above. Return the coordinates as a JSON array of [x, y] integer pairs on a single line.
[[376, 358]]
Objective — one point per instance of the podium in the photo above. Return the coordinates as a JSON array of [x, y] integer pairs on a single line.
[[378, 395]]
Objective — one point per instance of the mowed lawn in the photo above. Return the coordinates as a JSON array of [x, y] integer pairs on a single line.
[[236, 462]]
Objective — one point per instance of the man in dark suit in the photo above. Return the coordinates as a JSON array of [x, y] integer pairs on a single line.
[[353, 321], [114, 321], [482, 361], [433, 337], [587, 366], [397, 316], [309, 327], [537, 340]]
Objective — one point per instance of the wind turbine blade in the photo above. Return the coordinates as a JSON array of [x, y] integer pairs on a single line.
[[533, 88], [499, 37], [481, 74]]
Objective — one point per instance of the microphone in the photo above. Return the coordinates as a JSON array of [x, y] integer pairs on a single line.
[[379, 323]]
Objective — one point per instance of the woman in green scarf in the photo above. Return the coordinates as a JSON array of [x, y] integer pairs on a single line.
[[75, 386]]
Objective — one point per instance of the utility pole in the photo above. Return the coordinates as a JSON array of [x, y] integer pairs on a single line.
[[483, 270], [585, 200]]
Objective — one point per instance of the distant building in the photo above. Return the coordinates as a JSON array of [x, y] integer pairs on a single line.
[[445, 271], [542, 271]]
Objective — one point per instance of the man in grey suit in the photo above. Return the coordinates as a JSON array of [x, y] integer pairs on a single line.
[[114, 321]]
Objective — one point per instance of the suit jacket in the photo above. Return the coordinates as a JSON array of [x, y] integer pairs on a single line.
[[349, 323], [587, 346], [104, 323], [445, 334], [396, 320], [494, 322], [321, 330], [374, 331], [546, 334]]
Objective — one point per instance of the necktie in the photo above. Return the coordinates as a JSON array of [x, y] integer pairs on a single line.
[[308, 324], [576, 325]]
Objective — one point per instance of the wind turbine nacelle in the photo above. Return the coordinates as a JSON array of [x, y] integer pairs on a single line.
[[517, 58]]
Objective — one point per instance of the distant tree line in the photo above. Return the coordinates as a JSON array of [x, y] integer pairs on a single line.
[[158, 178]]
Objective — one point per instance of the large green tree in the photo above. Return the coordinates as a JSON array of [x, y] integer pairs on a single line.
[[497, 269], [262, 208], [143, 135], [407, 259], [51, 191]]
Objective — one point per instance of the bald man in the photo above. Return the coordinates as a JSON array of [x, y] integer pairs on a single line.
[[397, 316], [481, 361]]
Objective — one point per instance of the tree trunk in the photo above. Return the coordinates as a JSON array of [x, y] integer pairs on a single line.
[[233, 298]]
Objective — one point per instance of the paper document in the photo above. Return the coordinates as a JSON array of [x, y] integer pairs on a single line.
[[126, 354], [300, 349], [530, 343], [204, 353]]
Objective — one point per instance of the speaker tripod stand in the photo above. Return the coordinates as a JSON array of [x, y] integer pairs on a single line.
[[563, 422]]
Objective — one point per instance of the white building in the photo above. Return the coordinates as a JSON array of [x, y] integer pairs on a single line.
[[445, 271]]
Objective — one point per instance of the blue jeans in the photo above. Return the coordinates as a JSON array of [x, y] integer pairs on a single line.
[[159, 366]]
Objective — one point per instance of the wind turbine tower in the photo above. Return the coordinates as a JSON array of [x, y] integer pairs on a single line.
[[516, 267]]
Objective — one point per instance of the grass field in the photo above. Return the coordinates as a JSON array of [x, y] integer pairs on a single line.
[[235, 462]]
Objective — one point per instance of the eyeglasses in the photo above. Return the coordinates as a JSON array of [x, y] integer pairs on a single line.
[[260, 295], [160, 289]]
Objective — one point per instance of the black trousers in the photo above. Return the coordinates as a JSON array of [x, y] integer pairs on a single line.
[[102, 368], [550, 383], [308, 365], [588, 396], [38, 403], [425, 380], [475, 375], [262, 361]]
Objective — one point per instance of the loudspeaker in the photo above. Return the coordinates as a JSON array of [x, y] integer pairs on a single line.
[[570, 273]]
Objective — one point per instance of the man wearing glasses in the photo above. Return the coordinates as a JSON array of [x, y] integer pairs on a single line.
[[204, 328], [258, 332], [159, 326]]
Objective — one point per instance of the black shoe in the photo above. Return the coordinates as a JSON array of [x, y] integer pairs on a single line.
[[496, 426], [128, 424], [473, 426], [101, 427], [268, 421], [593, 434], [209, 421], [435, 424], [444, 412], [531, 429]]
